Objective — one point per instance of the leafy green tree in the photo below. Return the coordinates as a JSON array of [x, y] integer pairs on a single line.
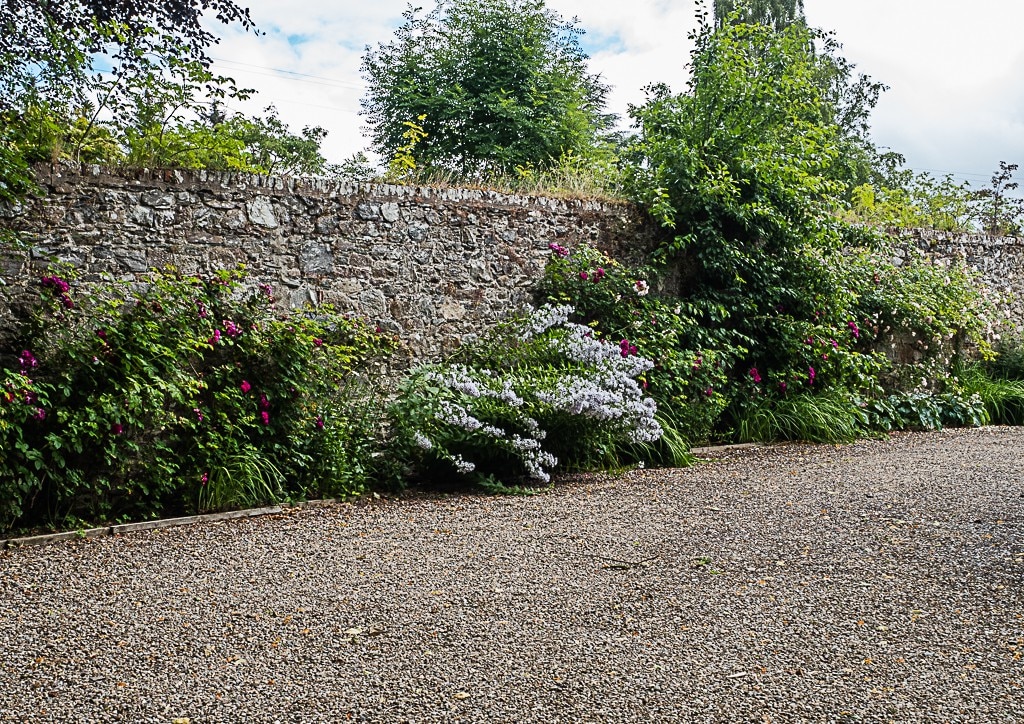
[[48, 48], [501, 83], [778, 14], [741, 169], [48, 51]]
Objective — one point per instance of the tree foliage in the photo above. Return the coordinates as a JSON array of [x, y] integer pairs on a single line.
[[501, 84], [778, 14], [47, 47]]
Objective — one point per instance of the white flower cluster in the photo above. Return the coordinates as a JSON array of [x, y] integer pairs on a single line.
[[542, 319], [422, 441], [452, 414], [474, 383]]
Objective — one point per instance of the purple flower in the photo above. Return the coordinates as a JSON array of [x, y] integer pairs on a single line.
[[231, 329], [782, 386], [319, 342], [320, 422], [854, 330], [202, 309], [754, 374], [66, 301], [811, 374], [55, 282], [245, 387], [835, 344], [709, 391], [199, 413], [559, 250], [266, 289], [205, 479], [264, 402], [27, 361], [40, 414], [117, 428], [215, 338], [265, 417]]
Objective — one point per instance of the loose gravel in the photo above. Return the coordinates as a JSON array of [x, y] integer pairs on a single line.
[[880, 581]]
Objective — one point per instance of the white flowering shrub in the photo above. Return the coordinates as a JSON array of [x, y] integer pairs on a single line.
[[536, 393]]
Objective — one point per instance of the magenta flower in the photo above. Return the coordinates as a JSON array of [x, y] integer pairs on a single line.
[[40, 414], [55, 282], [264, 402], [599, 274], [559, 250], [320, 422], [626, 349], [117, 428], [318, 342], [230, 328], [27, 361], [825, 357], [754, 374], [854, 330], [782, 386], [245, 387], [267, 290], [811, 374], [698, 362], [66, 301], [199, 413], [202, 309], [205, 479], [835, 344], [265, 417], [584, 276], [215, 338], [709, 391]]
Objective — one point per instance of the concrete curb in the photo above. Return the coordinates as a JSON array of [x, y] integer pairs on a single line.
[[110, 530], [726, 448]]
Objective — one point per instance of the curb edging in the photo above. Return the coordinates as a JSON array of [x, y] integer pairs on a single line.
[[161, 524]]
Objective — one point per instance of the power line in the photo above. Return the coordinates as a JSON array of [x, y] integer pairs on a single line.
[[295, 75]]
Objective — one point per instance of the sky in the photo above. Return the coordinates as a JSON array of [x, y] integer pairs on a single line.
[[955, 70]]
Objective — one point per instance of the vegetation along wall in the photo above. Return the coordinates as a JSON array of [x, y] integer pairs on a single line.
[[435, 265]]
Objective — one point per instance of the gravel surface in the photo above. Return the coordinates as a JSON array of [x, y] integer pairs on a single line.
[[880, 581]]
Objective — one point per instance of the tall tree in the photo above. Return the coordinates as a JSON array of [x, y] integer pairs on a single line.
[[499, 84], [774, 13], [47, 47]]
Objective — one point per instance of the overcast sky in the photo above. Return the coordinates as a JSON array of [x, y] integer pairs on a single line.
[[955, 69]]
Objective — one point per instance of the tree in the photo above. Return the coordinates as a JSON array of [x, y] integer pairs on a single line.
[[778, 14], [741, 170], [48, 51], [501, 83], [47, 48]]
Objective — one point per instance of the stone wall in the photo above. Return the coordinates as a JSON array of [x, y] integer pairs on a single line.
[[998, 260], [436, 265]]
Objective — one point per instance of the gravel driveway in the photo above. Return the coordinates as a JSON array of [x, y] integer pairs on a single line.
[[880, 581]]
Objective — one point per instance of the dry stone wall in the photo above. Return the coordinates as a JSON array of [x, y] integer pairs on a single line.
[[999, 260], [434, 265]]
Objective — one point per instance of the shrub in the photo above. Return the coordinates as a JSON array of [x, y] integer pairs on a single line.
[[537, 392], [177, 394]]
